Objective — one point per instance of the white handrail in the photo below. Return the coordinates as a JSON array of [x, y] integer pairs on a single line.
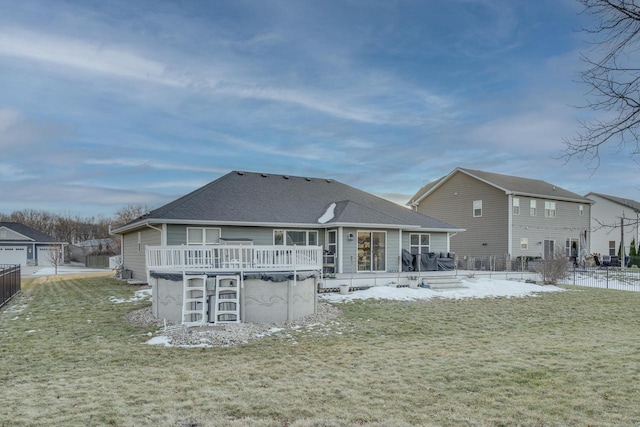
[[234, 258]]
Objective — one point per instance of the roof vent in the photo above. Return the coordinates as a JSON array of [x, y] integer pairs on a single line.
[[264, 175], [240, 173], [308, 179], [285, 176], [329, 181]]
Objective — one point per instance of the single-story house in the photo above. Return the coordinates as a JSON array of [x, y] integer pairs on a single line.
[[277, 239], [22, 245]]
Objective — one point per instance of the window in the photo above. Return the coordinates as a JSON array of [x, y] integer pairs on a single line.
[[139, 241], [549, 249], [419, 243], [371, 250], [524, 243], [295, 237], [533, 210], [202, 236], [477, 208], [612, 248], [581, 210], [332, 241], [550, 209], [516, 206], [571, 247]]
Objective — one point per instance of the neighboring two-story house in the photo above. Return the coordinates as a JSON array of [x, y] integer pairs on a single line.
[[607, 214], [507, 215]]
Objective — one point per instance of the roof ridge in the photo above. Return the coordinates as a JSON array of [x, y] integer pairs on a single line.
[[169, 207]]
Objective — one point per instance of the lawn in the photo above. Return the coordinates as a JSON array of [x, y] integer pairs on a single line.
[[68, 357]]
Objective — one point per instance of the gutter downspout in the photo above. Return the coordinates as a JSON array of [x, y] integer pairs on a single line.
[[162, 239], [510, 225], [340, 250], [399, 250], [121, 245], [449, 236]]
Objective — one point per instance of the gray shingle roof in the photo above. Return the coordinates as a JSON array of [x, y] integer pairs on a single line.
[[257, 198], [31, 234], [619, 200], [512, 184]]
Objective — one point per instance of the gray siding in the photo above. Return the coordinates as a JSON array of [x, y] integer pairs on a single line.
[[489, 235], [134, 255], [349, 253], [453, 201], [567, 224], [176, 235], [437, 241]]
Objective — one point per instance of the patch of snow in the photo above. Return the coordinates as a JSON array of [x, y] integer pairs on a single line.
[[160, 340], [50, 271], [140, 295], [15, 308], [31, 331], [477, 288], [328, 215]]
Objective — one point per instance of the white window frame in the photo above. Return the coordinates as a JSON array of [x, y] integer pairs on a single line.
[[533, 207], [567, 246], [284, 236], [371, 263], [332, 247], [203, 231], [516, 206], [139, 241], [420, 246], [549, 209], [581, 210], [524, 243], [477, 207]]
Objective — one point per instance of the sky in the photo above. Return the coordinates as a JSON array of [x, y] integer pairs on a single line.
[[111, 103]]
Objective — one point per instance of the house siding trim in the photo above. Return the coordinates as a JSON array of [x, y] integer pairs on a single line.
[[510, 225]]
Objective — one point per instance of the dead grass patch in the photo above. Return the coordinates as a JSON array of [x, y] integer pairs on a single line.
[[69, 357]]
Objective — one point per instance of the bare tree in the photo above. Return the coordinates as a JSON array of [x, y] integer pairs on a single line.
[[39, 220], [56, 257], [613, 76], [129, 213]]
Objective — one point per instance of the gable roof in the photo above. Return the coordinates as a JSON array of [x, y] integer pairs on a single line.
[[513, 185], [259, 199], [28, 234], [632, 204]]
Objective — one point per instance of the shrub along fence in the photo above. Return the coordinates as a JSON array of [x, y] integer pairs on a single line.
[[624, 279], [9, 282]]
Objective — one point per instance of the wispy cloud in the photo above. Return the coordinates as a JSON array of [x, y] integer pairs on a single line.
[[9, 172], [82, 55], [152, 164]]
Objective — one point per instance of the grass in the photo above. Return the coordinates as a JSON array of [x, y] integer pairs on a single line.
[[565, 358]]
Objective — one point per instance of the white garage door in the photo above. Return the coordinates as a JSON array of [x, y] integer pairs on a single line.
[[44, 255], [13, 255]]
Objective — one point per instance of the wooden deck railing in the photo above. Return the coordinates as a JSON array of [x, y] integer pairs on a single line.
[[234, 258]]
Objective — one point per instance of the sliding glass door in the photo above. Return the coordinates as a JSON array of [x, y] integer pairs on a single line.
[[371, 250]]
